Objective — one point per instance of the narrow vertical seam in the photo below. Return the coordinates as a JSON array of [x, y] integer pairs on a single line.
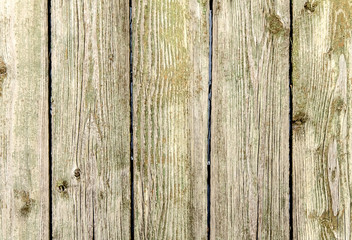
[[209, 114], [131, 121], [50, 119], [290, 122]]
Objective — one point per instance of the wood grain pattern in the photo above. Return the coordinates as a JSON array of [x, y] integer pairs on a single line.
[[170, 72], [90, 114], [24, 161], [250, 120], [322, 119]]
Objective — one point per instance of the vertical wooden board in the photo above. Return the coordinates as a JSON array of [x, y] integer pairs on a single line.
[[24, 161], [250, 120], [170, 74], [90, 117], [322, 119]]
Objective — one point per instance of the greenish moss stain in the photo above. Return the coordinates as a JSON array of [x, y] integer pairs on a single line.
[[204, 4], [174, 79], [177, 73]]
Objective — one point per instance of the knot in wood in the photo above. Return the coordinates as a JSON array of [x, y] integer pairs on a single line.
[[3, 68], [77, 173]]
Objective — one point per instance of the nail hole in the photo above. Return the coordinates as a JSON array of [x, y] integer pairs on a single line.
[[62, 186], [111, 57]]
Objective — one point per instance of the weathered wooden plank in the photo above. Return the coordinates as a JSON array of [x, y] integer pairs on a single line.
[[322, 119], [170, 72], [24, 158], [250, 120], [90, 113]]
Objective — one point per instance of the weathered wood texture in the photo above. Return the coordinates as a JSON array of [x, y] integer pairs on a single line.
[[170, 66], [90, 117], [322, 50], [24, 158], [250, 120]]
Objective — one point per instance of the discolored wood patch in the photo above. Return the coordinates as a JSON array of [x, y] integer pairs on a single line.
[[27, 203], [3, 74]]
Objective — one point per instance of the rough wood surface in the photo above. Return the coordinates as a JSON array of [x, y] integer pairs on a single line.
[[250, 120], [322, 119], [24, 161], [90, 114], [170, 66]]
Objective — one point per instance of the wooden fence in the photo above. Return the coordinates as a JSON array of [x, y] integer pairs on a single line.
[[175, 119]]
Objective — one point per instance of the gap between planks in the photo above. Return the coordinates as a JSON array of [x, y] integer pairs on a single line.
[[50, 121], [290, 124], [131, 120], [209, 116]]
